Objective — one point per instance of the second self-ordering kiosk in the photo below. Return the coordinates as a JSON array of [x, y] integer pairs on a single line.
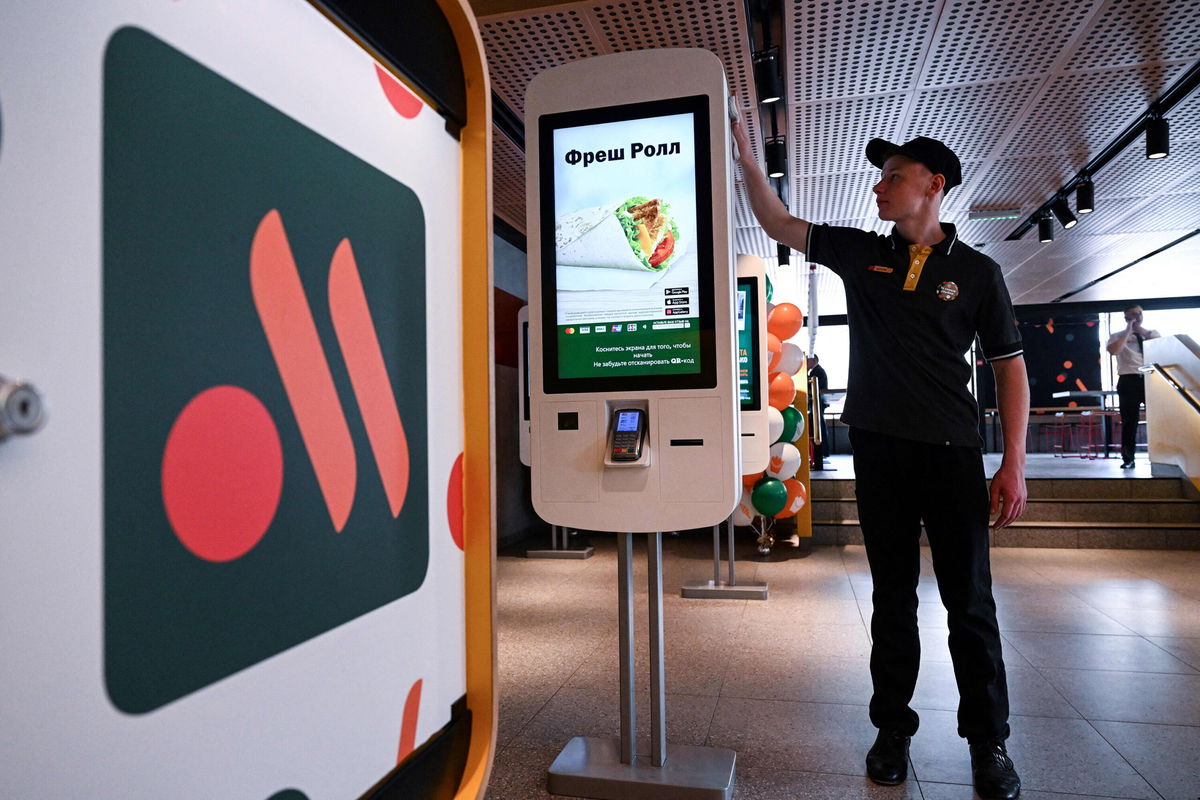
[[750, 316]]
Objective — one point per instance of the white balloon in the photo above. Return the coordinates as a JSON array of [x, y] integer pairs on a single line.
[[774, 423], [745, 509], [785, 461], [790, 359]]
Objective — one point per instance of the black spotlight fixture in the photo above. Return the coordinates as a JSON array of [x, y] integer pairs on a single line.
[[1158, 137], [1045, 229], [776, 158], [767, 78], [1085, 197], [784, 253], [1063, 212]]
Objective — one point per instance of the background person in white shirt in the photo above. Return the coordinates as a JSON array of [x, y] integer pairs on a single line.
[[1127, 346]]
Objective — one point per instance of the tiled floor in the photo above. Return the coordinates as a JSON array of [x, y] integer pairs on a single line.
[[1102, 648]]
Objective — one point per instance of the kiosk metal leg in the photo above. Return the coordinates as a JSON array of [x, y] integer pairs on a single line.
[[612, 770], [563, 550], [625, 626], [716, 589], [658, 697]]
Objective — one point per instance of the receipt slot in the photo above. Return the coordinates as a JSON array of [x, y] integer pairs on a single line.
[[633, 382]]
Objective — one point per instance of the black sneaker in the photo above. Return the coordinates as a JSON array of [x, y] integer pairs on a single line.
[[1127, 464], [994, 773], [887, 760]]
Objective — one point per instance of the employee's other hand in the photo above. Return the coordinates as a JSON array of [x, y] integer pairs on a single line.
[[1009, 495]]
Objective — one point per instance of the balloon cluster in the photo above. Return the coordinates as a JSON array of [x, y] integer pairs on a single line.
[[776, 492]]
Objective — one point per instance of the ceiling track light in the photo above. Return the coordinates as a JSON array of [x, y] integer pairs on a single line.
[[776, 158], [1158, 136], [1045, 229], [767, 78], [1063, 212], [784, 253], [1085, 196]]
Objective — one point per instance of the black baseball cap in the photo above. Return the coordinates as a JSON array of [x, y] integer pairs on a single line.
[[933, 154]]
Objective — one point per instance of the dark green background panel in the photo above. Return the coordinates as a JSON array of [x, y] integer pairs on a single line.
[[192, 163]]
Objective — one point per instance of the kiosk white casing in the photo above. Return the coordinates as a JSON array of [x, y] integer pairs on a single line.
[[755, 435], [689, 476]]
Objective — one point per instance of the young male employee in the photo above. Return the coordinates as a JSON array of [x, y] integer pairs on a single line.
[[916, 300]]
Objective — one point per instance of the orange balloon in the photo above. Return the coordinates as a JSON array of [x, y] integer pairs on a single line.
[[775, 348], [752, 478], [782, 390], [785, 321], [797, 496]]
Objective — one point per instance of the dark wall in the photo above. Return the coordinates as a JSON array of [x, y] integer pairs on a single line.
[[1062, 354]]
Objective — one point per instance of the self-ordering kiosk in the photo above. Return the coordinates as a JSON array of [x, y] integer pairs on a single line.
[[632, 373]]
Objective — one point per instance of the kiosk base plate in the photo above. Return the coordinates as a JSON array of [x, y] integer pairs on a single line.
[[591, 767], [723, 591], [581, 553]]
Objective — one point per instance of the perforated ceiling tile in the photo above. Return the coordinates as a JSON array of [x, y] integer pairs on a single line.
[[1171, 273], [982, 232], [969, 119], [1084, 111], [1106, 218], [832, 136], [715, 25], [753, 241], [821, 198], [1131, 174], [743, 216], [508, 171], [519, 47], [1168, 212], [981, 40], [1025, 181], [1011, 255], [1137, 31], [857, 47]]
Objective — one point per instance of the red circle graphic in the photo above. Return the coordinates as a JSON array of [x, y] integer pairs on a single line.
[[454, 501], [222, 473]]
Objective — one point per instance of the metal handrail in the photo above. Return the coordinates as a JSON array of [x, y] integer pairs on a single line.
[[1175, 384], [814, 405]]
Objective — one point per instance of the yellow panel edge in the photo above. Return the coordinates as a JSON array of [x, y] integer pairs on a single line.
[[478, 406]]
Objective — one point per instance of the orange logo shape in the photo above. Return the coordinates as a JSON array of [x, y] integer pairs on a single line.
[[226, 432]]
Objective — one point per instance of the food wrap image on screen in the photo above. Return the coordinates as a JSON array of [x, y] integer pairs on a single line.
[[638, 234]]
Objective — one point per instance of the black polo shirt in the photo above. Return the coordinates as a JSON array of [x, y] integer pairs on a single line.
[[914, 313]]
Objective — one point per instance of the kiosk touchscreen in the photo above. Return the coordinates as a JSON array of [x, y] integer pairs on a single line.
[[631, 292], [750, 320]]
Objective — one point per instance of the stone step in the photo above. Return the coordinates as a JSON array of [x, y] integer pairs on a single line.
[[1046, 488], [1088, 535], [1081, 510]]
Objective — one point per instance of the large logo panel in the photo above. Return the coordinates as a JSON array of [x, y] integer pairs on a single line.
[[265, 431]]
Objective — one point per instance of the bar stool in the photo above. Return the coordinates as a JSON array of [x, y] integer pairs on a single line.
[[1059, 434]]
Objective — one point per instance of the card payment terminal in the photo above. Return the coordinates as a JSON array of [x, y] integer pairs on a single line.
[[628, 434]]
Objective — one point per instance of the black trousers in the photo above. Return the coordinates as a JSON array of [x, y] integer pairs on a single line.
[[899, 483], [1131, 392]]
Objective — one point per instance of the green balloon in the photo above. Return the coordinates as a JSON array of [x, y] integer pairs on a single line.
[[791, 419], [770, 289], [799, 424], [769, 496]]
